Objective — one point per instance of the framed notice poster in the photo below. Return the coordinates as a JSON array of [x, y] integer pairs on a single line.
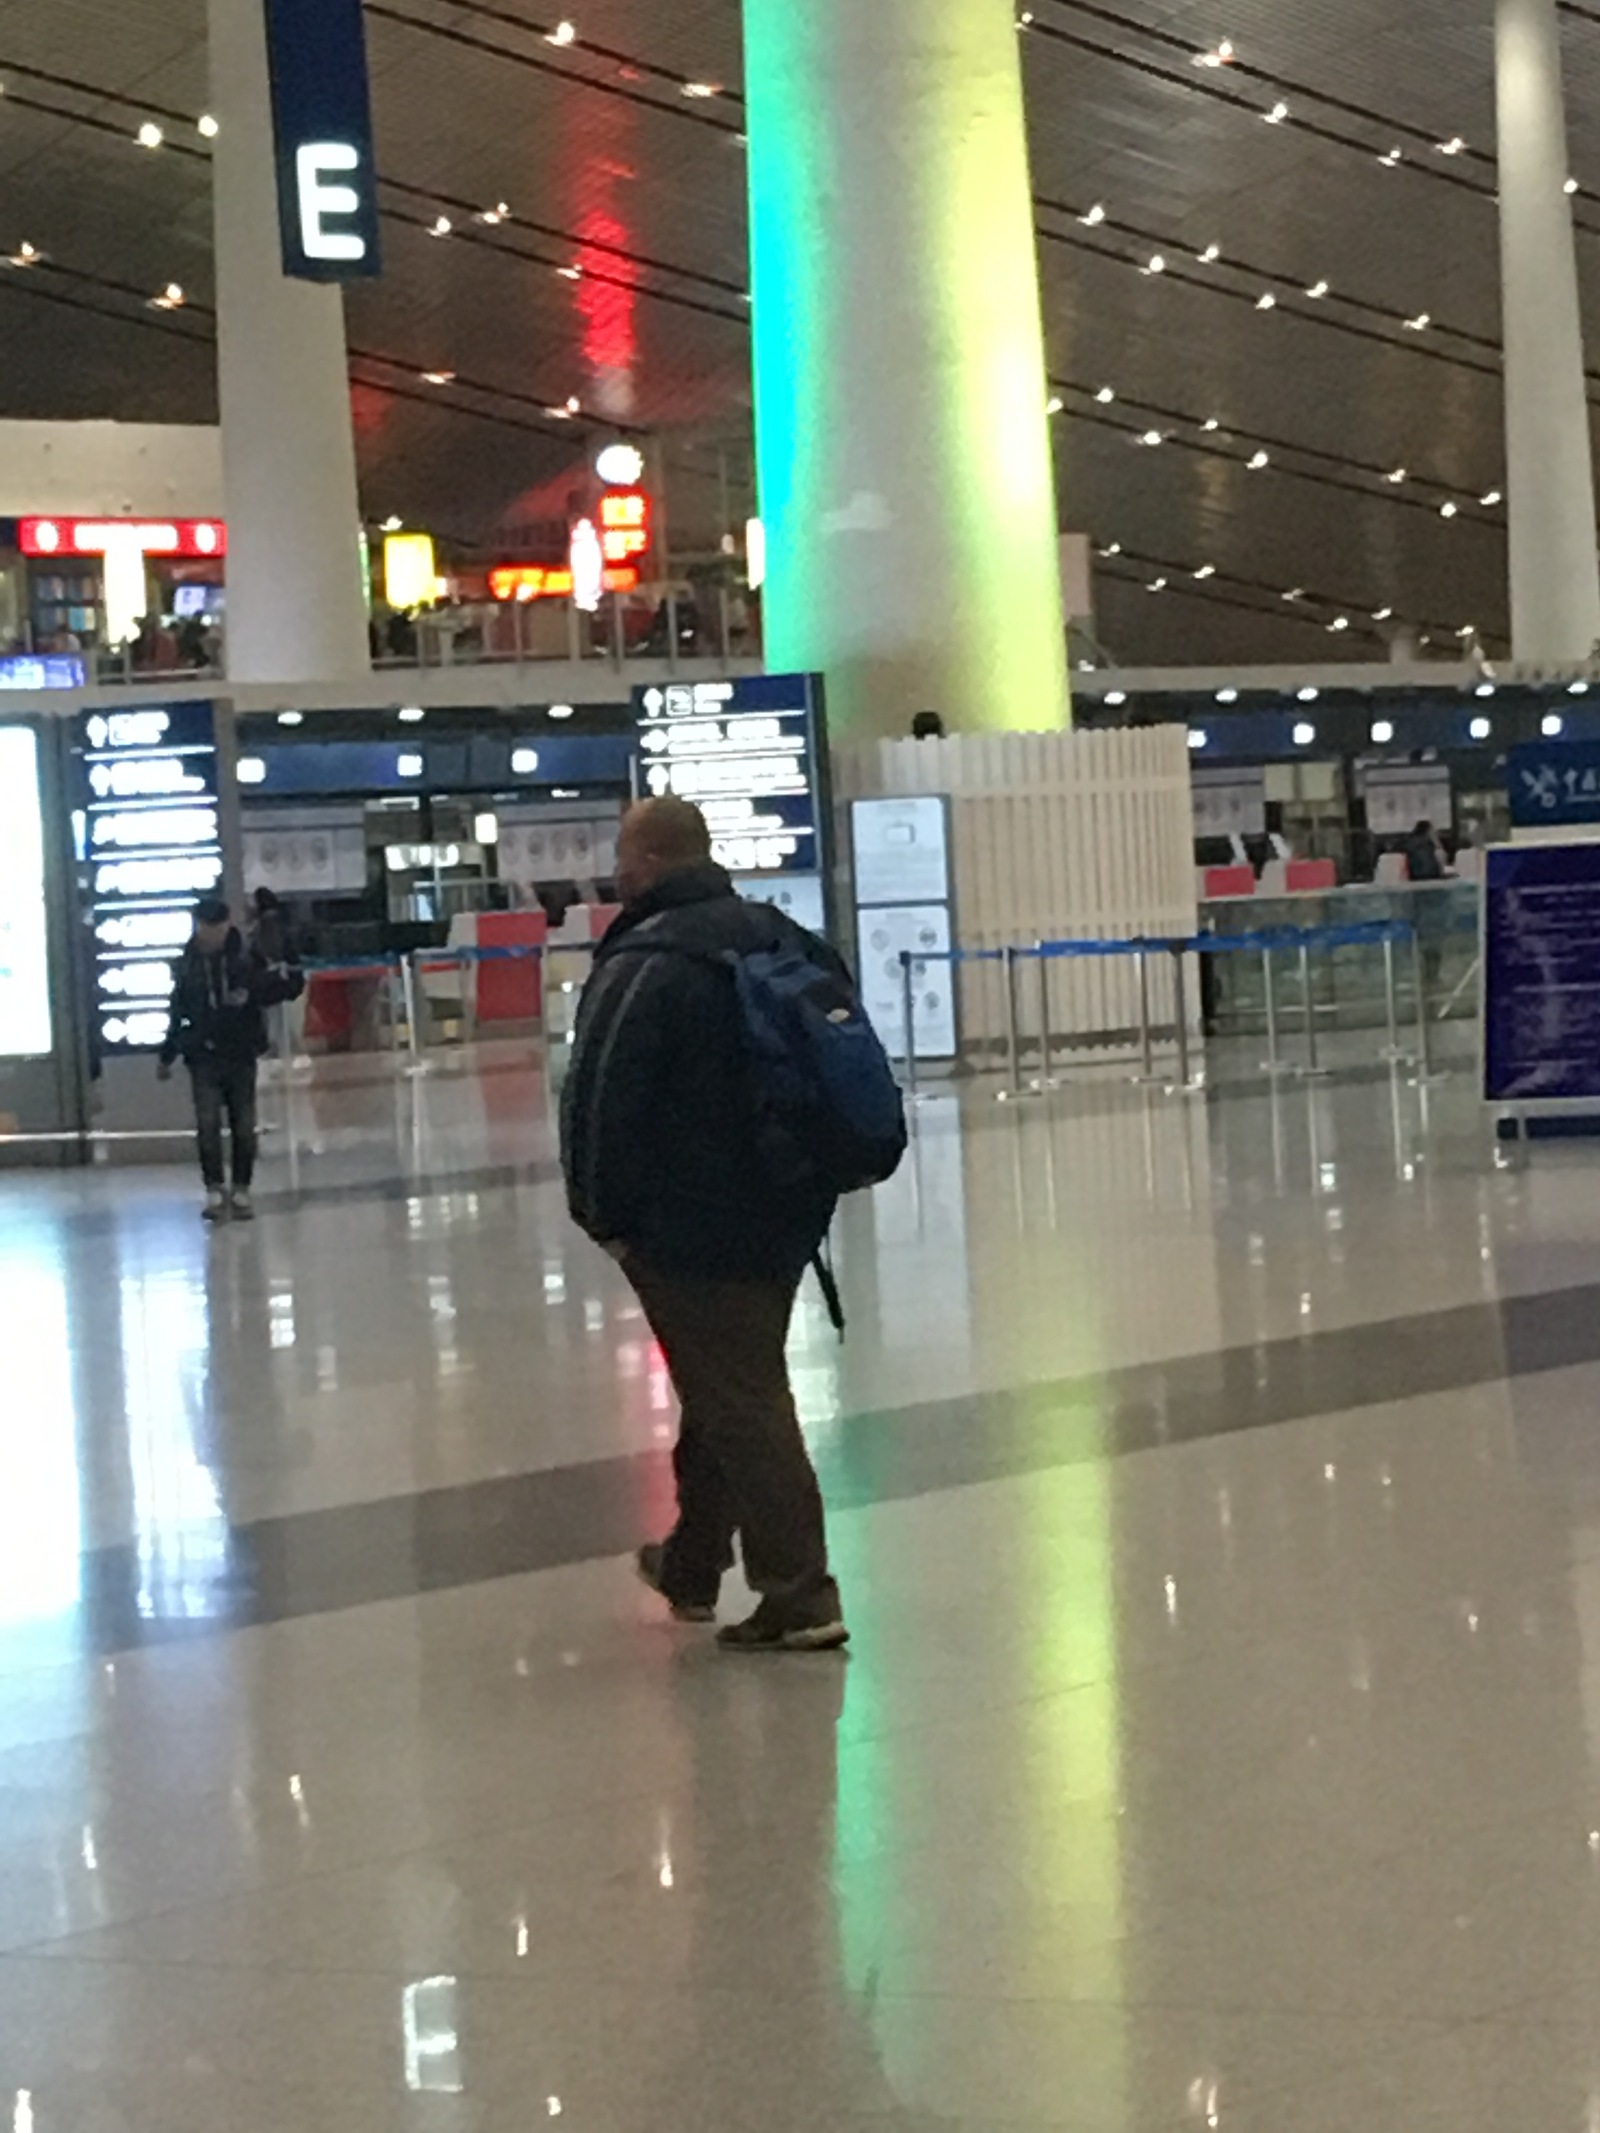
[[1541, 974], [900, 852], [25, 1023]]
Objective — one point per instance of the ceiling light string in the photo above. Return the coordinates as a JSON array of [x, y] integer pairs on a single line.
[[1208, 434], [1279, 285], [566, 37], [466, 209], [1260, 460], [695, 111], [1320, 316], [1301, 597], [1284, 86], [552, 409], [1280, 114]]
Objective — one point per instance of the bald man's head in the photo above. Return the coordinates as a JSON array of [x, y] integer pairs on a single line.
[[659, 837]]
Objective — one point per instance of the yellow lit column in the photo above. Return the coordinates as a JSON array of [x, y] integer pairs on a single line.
[[907, 490]]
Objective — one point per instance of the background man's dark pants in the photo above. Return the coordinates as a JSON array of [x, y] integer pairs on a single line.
[[741, 1461], [225, 1088]]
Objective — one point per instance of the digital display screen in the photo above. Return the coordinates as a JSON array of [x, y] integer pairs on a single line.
[[750, 755], [152, 849], [25, 1027]]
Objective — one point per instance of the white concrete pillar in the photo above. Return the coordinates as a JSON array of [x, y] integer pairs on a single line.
[[906, 481], [1550, 492], [296, 606]]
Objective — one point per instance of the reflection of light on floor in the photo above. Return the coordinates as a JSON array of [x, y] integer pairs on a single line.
[[40, 1532], [180, 1534]]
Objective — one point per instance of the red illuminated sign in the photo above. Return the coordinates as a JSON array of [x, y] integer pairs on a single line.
[[200, 537], [625, 516], [549, 581]]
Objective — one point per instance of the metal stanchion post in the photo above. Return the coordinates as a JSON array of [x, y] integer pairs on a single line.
[[1147, 1042], [1312, 1070], [1046, 1079], [1395, 1051], [411, 992], [1425, 1071], [1269, 979], [1013, 1056], [908, 1013], [1180, 999]]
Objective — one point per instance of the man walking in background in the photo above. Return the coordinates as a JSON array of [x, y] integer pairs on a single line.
[[669, 1164], [221, 990]]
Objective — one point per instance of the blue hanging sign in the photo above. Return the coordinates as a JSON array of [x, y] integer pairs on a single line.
[[1554, 784], [322, 126]]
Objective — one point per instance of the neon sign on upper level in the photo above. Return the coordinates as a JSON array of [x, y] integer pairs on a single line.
[[198, 537]]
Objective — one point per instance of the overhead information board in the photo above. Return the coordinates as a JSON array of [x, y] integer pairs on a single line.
[[752, 755], [151, 847], [322, 128], [1541, 973], [25, 1028]]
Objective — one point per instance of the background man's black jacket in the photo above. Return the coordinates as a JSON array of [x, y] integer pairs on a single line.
[[219, 1002], [657, 1122]]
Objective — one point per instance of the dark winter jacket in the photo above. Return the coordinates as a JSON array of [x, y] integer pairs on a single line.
[[219, 1002], [658, 1126]]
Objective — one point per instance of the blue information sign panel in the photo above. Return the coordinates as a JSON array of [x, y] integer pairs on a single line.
[[1541, 973], [322, 128], [752, 755], [151, 847], [1554, 784]]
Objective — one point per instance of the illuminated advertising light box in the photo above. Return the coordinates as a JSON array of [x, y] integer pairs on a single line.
[[322, 130], [548, 581], [203, 538], [25, 1027], [752, 755], [410, 570], [151, 848]]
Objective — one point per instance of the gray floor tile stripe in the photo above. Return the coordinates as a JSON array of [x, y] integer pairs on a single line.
[[320, 1561]]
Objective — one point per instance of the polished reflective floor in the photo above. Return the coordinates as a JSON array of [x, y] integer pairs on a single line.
[[1215, 1487]]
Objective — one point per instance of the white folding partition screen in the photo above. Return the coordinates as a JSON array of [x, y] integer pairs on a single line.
[[1058, 836]]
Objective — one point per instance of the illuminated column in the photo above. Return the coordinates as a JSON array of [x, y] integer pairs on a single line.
[[1555, 566], [296, 608], [906, 480]]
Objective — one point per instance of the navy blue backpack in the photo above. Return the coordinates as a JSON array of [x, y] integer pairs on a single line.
[[829, 1108]]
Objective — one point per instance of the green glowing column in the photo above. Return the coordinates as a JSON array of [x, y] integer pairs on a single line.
[[906, 480]]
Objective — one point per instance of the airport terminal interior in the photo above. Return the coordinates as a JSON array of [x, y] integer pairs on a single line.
[[1096, 504]]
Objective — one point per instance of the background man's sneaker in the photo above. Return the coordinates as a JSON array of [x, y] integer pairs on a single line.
[[650, 1563], [216, 1207], [243, 1211], [777, 1627]]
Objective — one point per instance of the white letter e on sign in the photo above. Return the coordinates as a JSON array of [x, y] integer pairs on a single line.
[[319, 201]]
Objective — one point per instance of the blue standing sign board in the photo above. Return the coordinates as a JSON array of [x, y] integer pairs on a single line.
[[322, 129], [1541, 974]]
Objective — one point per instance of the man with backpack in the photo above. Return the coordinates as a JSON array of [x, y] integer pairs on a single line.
[[222, 986], [724, 1089]]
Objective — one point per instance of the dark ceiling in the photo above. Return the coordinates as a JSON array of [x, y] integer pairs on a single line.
[[608, 167]]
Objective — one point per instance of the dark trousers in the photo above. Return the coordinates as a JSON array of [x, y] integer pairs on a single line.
[[225, 1088], [741, 1462]]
